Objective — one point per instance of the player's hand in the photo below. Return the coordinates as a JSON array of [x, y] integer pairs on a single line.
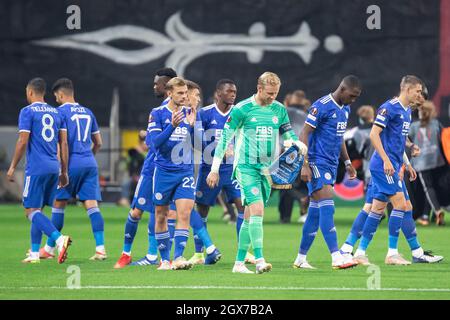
[[401, 173], [388, 168], [229, 152], [306, 173], [63, 180], [191, 117], [415, 150], [177, 118], [10, 174], [212, 179], [351, 172], [412, 173]]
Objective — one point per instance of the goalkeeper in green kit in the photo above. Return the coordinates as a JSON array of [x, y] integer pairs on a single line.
[[257, 123]]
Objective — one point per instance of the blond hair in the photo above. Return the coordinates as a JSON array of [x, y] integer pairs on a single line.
[[269, 78], [175, 82]]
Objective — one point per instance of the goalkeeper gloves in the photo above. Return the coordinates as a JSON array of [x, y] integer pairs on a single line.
[[303, 148]]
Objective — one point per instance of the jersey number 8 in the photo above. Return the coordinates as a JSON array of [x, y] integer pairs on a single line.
[[47, 125]]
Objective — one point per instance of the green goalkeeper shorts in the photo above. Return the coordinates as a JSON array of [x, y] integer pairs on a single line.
[[254, 185]]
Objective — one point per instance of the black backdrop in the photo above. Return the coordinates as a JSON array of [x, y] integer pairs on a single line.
[[408, 43]]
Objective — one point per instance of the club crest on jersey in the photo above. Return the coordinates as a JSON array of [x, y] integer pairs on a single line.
[[275, 120], [141, 201], [158, 196], [328, 176], [314, 111]]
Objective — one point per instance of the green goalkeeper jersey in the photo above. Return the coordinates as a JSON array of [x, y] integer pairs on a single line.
[[257, 131]]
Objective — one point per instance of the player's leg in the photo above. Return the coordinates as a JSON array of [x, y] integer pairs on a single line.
[[89, 193], [184, 209], [395, 223], [203, 211], [410, 233], [131, 226], [324, 198], [38, 192], [256, 204], [48, 251], [98, 228], [369, 229], [358, 225], [58, 208], [356, 230], [171, 223], [244, 244], [162, 235], [311, 225], [201, 232], [140, 200]]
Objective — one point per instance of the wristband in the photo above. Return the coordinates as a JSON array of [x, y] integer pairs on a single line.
[[348, 163]]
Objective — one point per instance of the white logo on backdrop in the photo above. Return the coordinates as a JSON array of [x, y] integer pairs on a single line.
[[184, 45]]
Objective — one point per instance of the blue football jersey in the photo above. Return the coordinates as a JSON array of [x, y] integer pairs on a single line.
[[395, 120], [329, 121], [43, 122], [81, 125], [213, 121], [149, 162], [176, 153]]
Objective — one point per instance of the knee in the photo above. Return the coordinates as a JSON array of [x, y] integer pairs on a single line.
[[136, 213]]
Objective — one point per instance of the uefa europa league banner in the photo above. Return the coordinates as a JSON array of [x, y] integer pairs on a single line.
[[107, 44]]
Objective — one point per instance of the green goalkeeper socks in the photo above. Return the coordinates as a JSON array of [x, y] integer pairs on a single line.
[[244, 241], [256, 235]]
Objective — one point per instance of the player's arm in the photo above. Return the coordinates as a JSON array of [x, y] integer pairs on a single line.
[[379, 124], [197, 136], [348, 163], [21, 146], [95, 136], [25, 125], [233, 123], [158, 136], [409, 167], [415, 150], [289, 135], [378, 145], [64, 158], [306, 173], [311, 123], [97, 142]]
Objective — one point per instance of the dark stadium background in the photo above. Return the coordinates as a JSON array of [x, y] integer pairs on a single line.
[[409, 42]]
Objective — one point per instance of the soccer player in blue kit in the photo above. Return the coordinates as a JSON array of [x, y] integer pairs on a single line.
[[41, 130], [213, 119], [323, 134], [84, 140], [172, 130], [142, 200], [389, 136]]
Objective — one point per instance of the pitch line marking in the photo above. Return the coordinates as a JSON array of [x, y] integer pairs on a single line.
[[231, 288]]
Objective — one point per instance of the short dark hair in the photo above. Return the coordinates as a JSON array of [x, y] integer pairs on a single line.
[[38, 85], [192, 85], [352, 81], [166, 72], [64, 84], [222, 82]]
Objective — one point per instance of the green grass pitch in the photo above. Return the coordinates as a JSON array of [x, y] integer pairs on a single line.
[[99, 280]]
